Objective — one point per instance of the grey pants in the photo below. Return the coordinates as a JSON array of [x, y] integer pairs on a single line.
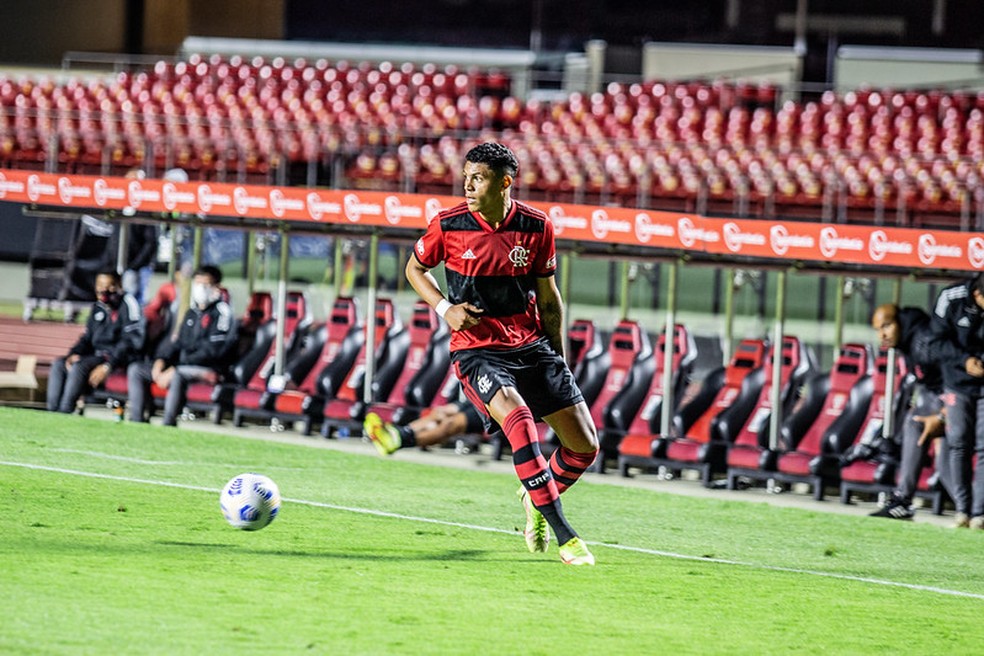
[[138, 386], [964, 437], [66, 386], [925, 404]]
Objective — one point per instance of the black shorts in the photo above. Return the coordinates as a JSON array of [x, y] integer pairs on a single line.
[[537, 372], [474, 422]]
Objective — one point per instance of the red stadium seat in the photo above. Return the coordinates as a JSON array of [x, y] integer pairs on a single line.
[[700, 428], [428, 362], [646, 419], [330, 354], [296, 323], [825, 420], [345, 409], [877, 474], [747, 451]]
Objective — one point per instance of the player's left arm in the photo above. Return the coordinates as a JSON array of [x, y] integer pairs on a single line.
[[551, 309]]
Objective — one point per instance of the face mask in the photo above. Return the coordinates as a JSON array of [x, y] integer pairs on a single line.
[[201, 295], [112, 299]]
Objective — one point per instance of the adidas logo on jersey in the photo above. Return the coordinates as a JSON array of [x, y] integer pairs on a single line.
[[468, 255]]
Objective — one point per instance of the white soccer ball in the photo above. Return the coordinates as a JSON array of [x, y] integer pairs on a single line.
[[250, 501]]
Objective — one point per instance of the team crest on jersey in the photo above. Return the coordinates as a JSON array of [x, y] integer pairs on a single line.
[[484, 384], [519, 256], [420, 246]]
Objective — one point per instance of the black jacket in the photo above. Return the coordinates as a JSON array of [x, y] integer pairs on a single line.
[[956, 329], [207, 338], [115, 335], [916, 345]]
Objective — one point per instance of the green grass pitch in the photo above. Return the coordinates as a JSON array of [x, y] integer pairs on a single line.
[[111, 541]]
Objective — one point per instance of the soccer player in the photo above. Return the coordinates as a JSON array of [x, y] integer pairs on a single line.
[[506, 318], [436, 427], [113, 337]]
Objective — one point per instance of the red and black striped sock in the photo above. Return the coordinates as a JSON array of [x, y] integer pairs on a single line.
[[531, 467], [566, 466]]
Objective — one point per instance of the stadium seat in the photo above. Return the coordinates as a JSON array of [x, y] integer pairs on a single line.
[[748, 454], [627, 378], [877, 473], [428, 362], [344, 410], [324, 362], [588, 358], [717, 140], [704, 425], [252, 369], [824, 421], [646, 419]]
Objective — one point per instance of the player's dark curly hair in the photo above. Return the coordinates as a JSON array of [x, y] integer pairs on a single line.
[[496, 156]]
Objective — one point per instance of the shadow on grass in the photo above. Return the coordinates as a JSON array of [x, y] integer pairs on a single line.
[[450, 555]]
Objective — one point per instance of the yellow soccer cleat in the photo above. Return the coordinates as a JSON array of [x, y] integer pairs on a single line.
[[536, 533], [575, 552], [383, 435]]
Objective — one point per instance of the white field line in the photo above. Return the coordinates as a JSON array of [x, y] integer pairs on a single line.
[[183, 463], [489, 529]]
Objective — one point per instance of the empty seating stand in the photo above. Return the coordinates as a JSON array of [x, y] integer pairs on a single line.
[[749, 452], [826, 419], [701, 428], [345, 409], [646, 419], [875, 475], [319, 367], [428, 362]]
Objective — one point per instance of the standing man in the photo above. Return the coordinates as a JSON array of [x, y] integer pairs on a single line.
[[201, 351], [506, 318], [114, 335], [907, 329], [957, 325]]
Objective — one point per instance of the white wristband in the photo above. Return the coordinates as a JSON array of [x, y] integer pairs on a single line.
[[442, 307]]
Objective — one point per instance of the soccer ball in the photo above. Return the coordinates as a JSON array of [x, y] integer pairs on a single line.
[[250, 501]]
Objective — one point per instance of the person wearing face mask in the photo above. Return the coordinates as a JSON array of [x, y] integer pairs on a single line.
[[113, 337], [199, 353]]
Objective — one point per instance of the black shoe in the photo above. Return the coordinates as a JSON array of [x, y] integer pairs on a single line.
[[896, 508]]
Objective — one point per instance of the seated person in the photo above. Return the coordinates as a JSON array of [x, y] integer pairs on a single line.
[[436, 427], [113, 337], [200, 352]]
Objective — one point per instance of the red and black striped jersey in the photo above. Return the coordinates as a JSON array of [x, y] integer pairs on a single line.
[[494, 269]]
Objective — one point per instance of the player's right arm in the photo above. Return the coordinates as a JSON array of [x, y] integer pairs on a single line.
[[459, 317]]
